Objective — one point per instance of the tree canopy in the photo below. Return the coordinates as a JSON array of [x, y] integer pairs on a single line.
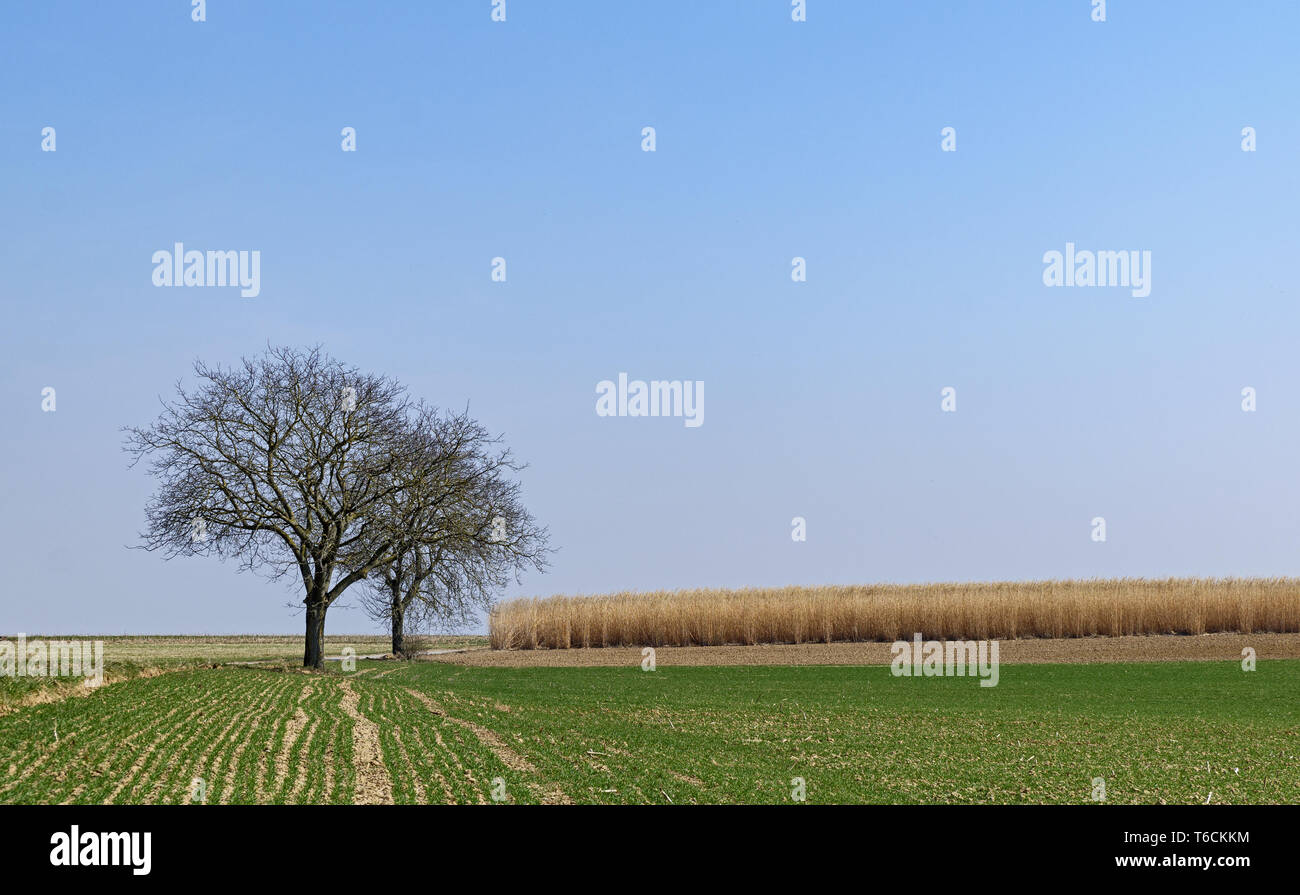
[[294, 463]]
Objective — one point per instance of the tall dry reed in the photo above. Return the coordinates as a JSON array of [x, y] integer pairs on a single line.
[[1000, 610]]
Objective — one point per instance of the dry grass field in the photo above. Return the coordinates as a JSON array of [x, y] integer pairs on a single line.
[[996, 610], [128, 657], [178, 648]]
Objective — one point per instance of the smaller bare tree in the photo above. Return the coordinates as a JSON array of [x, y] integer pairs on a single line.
[[459, 530]]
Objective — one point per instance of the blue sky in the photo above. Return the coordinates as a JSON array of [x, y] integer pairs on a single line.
[[775, 139]]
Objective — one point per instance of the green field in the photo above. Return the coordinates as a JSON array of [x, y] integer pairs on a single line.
[[433, 732]]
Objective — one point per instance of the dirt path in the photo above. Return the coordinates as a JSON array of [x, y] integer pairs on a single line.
[[293, 729], [374, 784], [1083, 650]]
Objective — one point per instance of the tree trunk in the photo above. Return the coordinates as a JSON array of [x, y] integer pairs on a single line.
[[314, 655], [398, 616]]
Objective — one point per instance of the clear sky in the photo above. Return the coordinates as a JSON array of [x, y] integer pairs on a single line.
[[774, 139]]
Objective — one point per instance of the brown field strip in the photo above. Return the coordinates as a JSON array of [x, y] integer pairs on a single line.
[[1074, 650]]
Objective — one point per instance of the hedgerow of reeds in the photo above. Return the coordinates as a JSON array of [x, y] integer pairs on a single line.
[[997, 610]]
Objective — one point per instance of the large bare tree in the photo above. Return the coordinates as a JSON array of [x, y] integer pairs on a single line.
[[289, 463], [458, 529]]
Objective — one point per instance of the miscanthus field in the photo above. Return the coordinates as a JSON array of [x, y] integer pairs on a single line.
[[435, 732], [849, 613]]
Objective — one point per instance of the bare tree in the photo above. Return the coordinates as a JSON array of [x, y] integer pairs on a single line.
[[288, 462], [459, 529]]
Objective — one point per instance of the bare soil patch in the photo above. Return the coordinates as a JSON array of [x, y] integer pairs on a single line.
[[1073, 650]]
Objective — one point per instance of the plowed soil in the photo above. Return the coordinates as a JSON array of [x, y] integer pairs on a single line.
[[1081, 650]]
